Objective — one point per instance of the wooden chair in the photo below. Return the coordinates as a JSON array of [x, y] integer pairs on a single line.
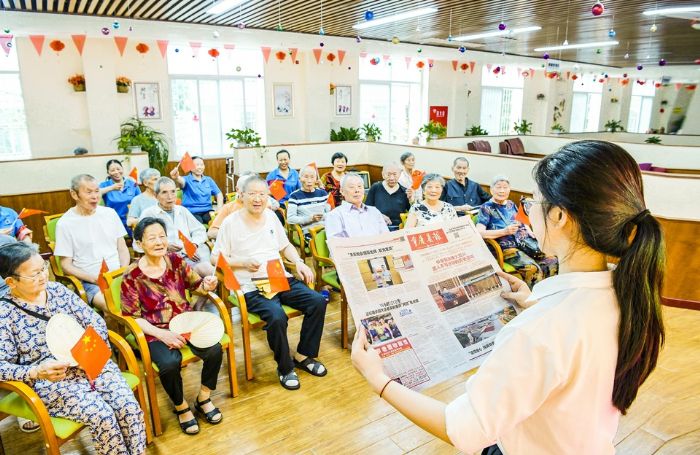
[[326, 274], [23, 401], [296, 236], [137, 339], [497, 252], [403, 219], [50, 222], [230, 197]]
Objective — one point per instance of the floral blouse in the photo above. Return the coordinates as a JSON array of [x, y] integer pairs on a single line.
[[425, 215], [499, 216], [332, 187], [158, 300]]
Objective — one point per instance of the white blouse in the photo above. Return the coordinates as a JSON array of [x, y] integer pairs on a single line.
[[547, 386]]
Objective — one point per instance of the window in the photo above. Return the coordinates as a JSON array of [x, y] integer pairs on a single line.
[[213, 95], [585, 105], [14, 140], [501, 101], [640, 107], [392, 97]]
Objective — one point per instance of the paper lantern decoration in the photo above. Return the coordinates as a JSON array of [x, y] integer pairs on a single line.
[[369, 15], [462, 49], [624, 75], [611, 33], [598, 9], [497, 70], [640, 67], [502, 26], [374, 61], [142, 48], [662, 62], [280, 55], [395, 40], [662, 110], [57, 45], [105, 31], [115, 25], [420, 65], [214, 53], [464, 67], [574, 77], [330, 57], [545, 56]]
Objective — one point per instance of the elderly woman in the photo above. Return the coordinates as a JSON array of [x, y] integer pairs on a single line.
[[408, 166], [331, 180], [153, 292], [108, 407], [289, 176], [144, 200], [117, 192], [431, 209], [496, 220]]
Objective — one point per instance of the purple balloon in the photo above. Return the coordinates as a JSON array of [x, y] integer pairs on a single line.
[[639, 67], [545, 56], [662, 62], [105, 31], [502, 26]]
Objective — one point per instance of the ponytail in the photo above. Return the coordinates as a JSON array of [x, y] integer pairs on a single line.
[[638, 280]]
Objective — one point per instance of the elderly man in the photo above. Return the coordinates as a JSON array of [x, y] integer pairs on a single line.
[[179, 219], [352, 218], [308, 205], [250, 240], [462, 193], [390, 198], [197, 190], [86, 235]]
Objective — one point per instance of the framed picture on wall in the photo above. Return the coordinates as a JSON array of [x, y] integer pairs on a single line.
[[343, 100], [283, 100], [147, 100]]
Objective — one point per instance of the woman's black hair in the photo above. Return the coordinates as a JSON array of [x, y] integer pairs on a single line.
[[277, 155], [600, 186], [113, 161], [337, 156], [144, 223], [13, 255], [404, 156]]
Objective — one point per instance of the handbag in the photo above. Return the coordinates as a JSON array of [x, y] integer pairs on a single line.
[[527, 244]]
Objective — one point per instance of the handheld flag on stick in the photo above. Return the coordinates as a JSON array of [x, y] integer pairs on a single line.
[[417, 177], [331, 200], [275, 273], [134, 174], [521, 216], [24, 213], [190, 248], [186, 163], [277, 189], [101, 281], [230, 280], [92, 353]]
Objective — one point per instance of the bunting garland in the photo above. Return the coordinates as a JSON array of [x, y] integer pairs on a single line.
[[266, 52], [341, 56], [6, 43], [293, 51], [454, 65], [195, 46], [79, 41], [317, 54], [163, 47], [38, 42], [120, 41], [408, 62]]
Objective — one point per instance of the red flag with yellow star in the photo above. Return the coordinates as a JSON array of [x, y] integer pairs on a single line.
[[522, 216], [190, 248], [91, 352], [417, 178], [101, 281], [186, 163], [134, 174], [277, 189], [275, 273], [230, 280], [24, 213], [331, 200]]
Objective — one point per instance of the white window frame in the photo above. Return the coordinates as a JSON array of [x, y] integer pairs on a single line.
[[6, 155]]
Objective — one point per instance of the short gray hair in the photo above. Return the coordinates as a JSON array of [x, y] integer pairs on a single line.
[[163, 181], [252, 179], [13, 255], [432, 178], [348, 176], [308, 168], [392, 165], [499, 178], [243, 177], [76, 181], [148, 174], [458, 159]]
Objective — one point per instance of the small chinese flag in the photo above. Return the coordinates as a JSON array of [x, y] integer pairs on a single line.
[[230, 280], [521, 216], [331, 200], [190, 248], [134, 174], [186, 163], [277, 189], [24, 213], [91, 352], [101, 281], [275, 273], [417, 179]]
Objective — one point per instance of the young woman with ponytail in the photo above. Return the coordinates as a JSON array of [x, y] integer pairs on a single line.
[[571, 362]]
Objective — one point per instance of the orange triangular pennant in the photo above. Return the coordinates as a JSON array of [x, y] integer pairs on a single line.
[[331, 200], [38, 42], [293, 52], [24, 213], [275, 273], [521, 216], [101, 281], [186, 163], [134, 174], [408, 61], [471, 67], [266, 52], [277, 189], [230, 280], [190, 248], [163, 47], [79, 41], [341, 56], [195, 46], [91, 352], [120, 41], [6, 43], [454, 65], [317, 54]]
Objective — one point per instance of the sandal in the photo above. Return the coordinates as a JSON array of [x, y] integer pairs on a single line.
[[184, 426], [289, 381], [27, 426], [208, 415], [312, 366]]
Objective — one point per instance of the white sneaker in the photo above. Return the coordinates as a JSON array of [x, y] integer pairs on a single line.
[[235, 315]]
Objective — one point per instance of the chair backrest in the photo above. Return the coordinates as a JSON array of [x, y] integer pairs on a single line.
[[230, 197], [479, 146], [503, 148], [113, 298], [50, 227], [318, 238], [515, 146]]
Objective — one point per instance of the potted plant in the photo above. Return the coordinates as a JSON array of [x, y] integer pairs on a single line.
[[345, 134], [558, 128], [78, 82], [433, 130], [476, 130], [123, 84], [135, 133], [614, 126], [540, 96], [372, 132], [614, 100], [524, 127], [653, 140], [245, 137]]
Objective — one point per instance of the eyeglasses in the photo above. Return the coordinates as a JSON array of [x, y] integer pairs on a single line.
[[37, 275], [528, 203]]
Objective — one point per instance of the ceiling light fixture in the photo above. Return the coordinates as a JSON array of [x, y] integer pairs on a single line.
[[577, 46], [395, 18], [223, 6], [513, 31], [666, 11]]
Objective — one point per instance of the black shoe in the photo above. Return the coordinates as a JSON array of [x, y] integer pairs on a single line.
[[184, 426], [208, 415]]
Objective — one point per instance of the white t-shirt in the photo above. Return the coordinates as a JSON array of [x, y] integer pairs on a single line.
[[90, 239], [235, 241]]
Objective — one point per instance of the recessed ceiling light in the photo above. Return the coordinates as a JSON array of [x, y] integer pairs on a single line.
[[223, 6], [677, 10], [395, 18], [577, 46], [514, 31]]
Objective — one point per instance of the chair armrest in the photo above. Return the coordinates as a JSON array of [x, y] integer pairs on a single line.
[[126, 352], [130, 324], [242, 305], [497, 250], [223, 312], [36, 405]]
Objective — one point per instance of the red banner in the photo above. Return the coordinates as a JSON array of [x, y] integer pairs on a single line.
[[427, 239], [439, 114]]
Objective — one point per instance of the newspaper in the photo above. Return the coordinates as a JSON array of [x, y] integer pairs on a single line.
[[428, 297]]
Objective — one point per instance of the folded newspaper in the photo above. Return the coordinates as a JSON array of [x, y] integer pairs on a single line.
[[428, 297]]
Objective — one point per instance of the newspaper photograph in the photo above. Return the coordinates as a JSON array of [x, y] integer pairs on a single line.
[[428, 298]]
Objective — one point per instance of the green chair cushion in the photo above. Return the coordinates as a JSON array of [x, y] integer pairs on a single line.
[[331, 279], [508, 268], [321, 245], [254, 318], [51, 229]]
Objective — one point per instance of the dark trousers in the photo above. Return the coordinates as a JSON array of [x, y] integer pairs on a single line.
[[203, 217], [301, 298], [169, 362], [492, 450]]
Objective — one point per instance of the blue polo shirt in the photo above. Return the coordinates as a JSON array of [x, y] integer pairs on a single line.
[[120, 200], [291, 183], [469, 194], [10, 223], [196, 195]]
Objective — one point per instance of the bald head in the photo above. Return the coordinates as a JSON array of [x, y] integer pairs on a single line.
[[390, 174]]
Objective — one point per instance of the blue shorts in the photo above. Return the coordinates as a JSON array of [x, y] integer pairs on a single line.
[[91, 290]]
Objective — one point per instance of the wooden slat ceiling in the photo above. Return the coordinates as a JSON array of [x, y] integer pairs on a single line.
[[674, 39]]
